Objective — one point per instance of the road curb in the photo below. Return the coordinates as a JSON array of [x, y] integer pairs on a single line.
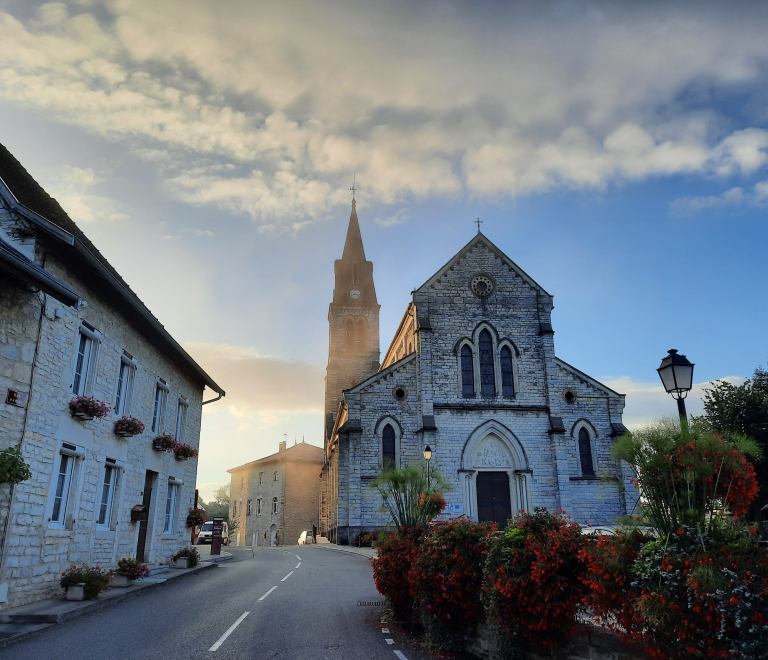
[[97, 605], [346, 552]]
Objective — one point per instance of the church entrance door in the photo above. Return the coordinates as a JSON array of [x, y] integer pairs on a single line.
[[493, 499]]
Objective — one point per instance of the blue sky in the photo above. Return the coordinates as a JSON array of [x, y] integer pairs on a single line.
[[618, 152]]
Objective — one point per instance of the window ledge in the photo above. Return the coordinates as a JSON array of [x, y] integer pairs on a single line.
[[590, 478]]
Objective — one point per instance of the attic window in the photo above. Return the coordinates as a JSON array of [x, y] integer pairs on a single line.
[[400, 393], [569, 396]]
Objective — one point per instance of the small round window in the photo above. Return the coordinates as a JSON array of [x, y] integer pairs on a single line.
[[569, 396], [482, 286], [400, 393]]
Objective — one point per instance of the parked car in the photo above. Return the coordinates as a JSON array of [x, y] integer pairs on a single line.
[[205, 535], [599, 530], [305, 538]]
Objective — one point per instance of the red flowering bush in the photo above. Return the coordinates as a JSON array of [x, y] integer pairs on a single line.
[[183, 451], [533, 585], [196, 517], [446, 578], [392, 570]]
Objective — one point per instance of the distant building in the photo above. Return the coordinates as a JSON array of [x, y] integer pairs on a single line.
[[275, 498], [69, 326], [472, 373]]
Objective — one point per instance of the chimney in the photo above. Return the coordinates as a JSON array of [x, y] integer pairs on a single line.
[[282, 445]]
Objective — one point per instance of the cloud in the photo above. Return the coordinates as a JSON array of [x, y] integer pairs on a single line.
[[264, 110], [757, 198], [260, 385], [70, 187], [647, 402], [399, 218]]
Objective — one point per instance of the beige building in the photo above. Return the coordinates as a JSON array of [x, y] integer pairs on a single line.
[[70, 326], [275, 498]]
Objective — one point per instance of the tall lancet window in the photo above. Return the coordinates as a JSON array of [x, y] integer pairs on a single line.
[[467, 372], [507, 381], [487, 377], [360, 333], [388, 446], [349, 333], [585, 453]]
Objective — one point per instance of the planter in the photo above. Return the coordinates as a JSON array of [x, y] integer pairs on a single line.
[[82, 415], [182, 458], [76, 592], [119, 580], [158, 446], [125, 434], [181, 562]]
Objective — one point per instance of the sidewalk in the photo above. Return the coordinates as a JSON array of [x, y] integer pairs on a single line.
[[365, 552], [19, 622]]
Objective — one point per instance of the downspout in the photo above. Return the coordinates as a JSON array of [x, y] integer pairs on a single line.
[[221, 394]]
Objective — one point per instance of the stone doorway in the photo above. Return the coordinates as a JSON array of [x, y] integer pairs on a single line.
[[273, 535], [493, 497], [141, 543]]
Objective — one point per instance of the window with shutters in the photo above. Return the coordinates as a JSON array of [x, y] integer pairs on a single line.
[[507, 377], [63, 480], [107, 496], [181, 418], [126, 374], [85, 356], [388, 446], [487, 376], [585, 453], [170, 507], [158, 406], [467, 372]]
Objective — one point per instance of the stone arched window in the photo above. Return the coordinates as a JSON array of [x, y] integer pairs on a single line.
[[507, 375], [361, 333], [467, 372], [349, 332], [274, 505], [388, 446], [487, 375], [586, 459]]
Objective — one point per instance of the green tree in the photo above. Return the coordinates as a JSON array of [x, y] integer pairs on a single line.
[[742, 409], [218, 507]]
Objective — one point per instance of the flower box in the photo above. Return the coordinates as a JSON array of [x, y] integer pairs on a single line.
[[183, 452], [182, 458], [163, 442], [125, 434], [181, 562], [76, 591], [128, 427], [82, 416], [119, 580], [86, 407]]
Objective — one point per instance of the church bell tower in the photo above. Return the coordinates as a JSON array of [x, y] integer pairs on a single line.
[[353, 323]]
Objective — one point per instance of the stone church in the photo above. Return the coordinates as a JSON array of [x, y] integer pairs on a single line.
[[471, 372]]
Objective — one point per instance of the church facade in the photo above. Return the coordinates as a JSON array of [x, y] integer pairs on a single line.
[[472, 373]]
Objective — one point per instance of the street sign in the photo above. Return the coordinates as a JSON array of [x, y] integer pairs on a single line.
[[218, 529]]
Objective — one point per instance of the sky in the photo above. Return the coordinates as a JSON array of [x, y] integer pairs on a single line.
[[616, 151]]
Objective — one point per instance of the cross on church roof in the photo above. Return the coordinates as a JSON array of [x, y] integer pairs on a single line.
[[354, 176], [479, 222]]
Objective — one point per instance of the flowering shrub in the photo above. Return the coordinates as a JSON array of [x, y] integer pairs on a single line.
[[366, 539], [87, 405], [392, 570], [191, 553], [196, 517], [532, 587], [129, 426], [431, 505], [163, 442], [446, 577], [95, 580], [131, 568], [183, 451]]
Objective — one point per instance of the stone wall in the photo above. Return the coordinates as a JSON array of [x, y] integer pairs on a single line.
[[35, 552]]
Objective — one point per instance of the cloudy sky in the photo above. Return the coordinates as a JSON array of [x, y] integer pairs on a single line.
[[617, 151]]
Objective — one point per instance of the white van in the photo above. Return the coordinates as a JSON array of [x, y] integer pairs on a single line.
[[205, 535]]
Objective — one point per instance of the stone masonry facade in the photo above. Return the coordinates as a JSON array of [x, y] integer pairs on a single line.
[[290, 480], [528, 429]]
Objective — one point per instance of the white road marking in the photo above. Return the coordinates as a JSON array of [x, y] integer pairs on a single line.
[[287, 576], [385, 631], [389, 641], [221, 639], [267, 594], [299, 564], [400, 655], [297, 557]]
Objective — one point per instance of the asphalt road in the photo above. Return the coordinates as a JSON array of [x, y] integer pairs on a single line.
[[285, 603]]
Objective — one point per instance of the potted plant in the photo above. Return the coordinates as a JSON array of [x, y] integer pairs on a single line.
[[196, 517], [128, 427], [84, 582], [128, 570], [86, 407], [183, 452], [186, 558], [163, 442], [13, 468]]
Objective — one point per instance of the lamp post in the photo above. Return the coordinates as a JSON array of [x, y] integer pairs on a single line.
[[428, 457], [676, 374]]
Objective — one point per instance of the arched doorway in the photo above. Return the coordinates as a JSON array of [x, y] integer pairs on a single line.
[[273, 535], [495, 470]]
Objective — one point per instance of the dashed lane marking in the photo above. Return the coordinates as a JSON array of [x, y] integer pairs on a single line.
[[299, 564], [389, 641], [297, 557], [400, 655], [267, 594], [385, 631], [287, 576], [221, 639]]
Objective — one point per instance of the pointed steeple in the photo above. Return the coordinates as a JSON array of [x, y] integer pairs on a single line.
[[353, 247]]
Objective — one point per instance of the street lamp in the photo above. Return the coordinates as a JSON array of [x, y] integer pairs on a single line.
[[428, 457], [676, 374]]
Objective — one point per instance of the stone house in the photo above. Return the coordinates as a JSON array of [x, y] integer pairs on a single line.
[[70, 325], [472, 373], [275, 498]]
